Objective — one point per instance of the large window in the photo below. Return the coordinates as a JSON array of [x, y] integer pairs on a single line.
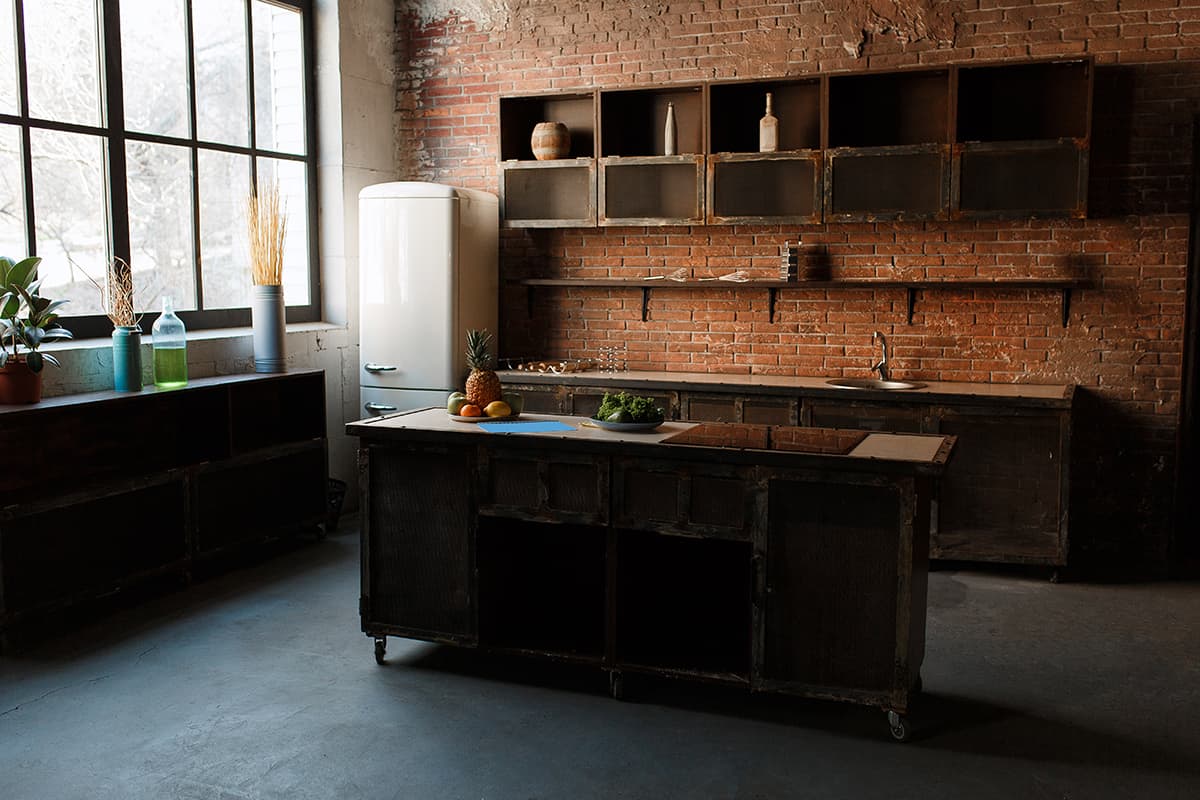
[[136, 129]]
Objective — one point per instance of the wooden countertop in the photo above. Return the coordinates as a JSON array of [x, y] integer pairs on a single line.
[[1046, 396], [902, 452]]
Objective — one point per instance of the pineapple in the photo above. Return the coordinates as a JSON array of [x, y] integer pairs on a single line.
[[483, 385]]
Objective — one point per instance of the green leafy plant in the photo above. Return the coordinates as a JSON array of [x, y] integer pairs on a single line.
[[27, 320], [622, 407]]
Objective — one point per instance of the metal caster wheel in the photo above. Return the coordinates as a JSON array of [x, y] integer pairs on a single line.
[[616, 685], [380, 649], [900, 726]]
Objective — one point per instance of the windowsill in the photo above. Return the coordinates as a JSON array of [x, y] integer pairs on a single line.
[[209, 335]]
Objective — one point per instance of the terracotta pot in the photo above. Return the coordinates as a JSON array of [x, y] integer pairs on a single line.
[[19, 384], [550, 140]]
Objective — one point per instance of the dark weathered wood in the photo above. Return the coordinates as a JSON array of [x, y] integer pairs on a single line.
[[831, 612], [159, 480], [694, 572], [422, 519], [662, 190]]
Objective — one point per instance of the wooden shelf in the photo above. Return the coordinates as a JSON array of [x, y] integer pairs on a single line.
[[1062, 285], [972, 141]]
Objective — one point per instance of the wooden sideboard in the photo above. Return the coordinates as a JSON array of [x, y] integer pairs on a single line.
[[105, 490], [1004, 498], [777, 558]]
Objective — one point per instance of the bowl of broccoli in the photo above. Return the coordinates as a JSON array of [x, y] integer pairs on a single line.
[[627, 412]]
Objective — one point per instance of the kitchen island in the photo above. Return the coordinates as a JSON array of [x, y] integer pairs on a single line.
[[775, 557]]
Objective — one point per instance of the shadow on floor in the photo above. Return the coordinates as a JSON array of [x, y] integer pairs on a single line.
[[943, 722], [107, 621]]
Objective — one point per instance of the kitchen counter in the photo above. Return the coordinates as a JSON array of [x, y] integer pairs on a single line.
[[1031, 395], [772, 557], [728, 442]]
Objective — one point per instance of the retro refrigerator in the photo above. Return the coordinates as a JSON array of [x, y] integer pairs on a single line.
[[428, 256]]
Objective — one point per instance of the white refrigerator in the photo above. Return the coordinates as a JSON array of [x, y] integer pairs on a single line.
[[428, 256]]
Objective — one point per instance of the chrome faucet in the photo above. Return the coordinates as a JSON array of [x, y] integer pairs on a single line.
[[882, 366]]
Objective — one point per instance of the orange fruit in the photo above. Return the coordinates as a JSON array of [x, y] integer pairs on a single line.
[[470, 410]]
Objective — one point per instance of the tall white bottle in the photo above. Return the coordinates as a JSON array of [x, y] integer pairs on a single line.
[[669, 145], [768, 131]]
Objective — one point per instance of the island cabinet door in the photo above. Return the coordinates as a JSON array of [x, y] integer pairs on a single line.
[[714, 501], [835, 608], [1004, 494], [544, 486], [417, 542]]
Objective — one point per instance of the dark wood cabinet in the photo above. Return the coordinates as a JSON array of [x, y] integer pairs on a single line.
[[978, 140], [778, 570], [1004, 497], [123, 487]]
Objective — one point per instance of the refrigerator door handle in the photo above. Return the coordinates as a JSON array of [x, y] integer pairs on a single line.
[[379, 408], [379, 368]]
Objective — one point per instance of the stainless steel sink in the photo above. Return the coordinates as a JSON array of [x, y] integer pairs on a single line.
[[873, 383]]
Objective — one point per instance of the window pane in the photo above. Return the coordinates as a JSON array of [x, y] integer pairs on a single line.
[[278, 78], [290, 176], [12, 195], [160, 224], [8, 59], [62, 60], [224, 187], [154, 66], [219, 29], [69, 203]]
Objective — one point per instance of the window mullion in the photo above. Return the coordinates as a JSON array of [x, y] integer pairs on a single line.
[[250, 95], [194, 134], [26, 144], [114, 105]]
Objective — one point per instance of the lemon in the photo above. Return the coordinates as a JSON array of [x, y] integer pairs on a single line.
[[497, 408]]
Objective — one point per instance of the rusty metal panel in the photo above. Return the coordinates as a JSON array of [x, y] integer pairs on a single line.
[[832, 579], [421, 520], [685, 498], [710, 408], [769, 411]]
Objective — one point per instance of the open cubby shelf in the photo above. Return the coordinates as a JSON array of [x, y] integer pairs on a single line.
[[974, 141], [541, 587], [683, 604], [1062, 285]]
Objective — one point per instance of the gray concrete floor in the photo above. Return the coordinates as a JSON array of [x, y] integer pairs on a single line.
[[258, 684]]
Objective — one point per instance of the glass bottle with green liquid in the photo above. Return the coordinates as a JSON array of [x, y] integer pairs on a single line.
[[170, 348]]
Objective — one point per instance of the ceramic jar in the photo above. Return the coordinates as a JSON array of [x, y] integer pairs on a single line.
[[550, 140]]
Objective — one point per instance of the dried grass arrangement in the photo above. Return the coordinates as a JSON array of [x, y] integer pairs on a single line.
[[117, 293], [266, 226]]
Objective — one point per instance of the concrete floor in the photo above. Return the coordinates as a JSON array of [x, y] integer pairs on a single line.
[[258, 684]]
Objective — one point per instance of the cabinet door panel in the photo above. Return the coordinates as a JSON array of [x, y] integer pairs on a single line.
[[1001, 498], [865, 416], [420, 519], [832, 584]]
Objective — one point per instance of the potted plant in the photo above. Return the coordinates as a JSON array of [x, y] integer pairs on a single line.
[[27, 320]]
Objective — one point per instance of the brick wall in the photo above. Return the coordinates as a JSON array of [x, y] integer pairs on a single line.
[[1123, 343]]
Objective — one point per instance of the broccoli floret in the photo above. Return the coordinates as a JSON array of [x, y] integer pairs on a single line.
[[639, 409]]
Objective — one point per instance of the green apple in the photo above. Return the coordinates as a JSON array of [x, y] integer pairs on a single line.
[[455, 402], [515, 401]]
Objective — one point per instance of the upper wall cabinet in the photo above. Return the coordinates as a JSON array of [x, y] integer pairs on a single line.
[[560, 191], [747, 185], [986, 140], [1023, 140], [888, 151], [652, 156]]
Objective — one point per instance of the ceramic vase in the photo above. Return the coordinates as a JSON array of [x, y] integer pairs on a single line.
[[267, 313], [127, 358], [19, 385], [550, 140]]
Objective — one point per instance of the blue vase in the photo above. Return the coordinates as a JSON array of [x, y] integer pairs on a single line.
[[127, 358]]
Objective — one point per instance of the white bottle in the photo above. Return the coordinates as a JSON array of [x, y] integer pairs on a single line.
[[669, 131], [768, 131]]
